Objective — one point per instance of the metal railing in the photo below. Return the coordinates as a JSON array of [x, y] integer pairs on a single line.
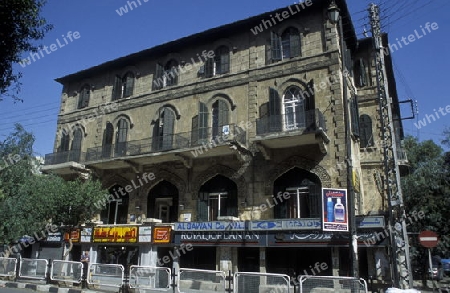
[[331, 284], [64, 157], [67, 271], [305, 121], [8, 267], [150, 278], [195, 281], [261, 282], [106, 275], [33, 268], [214, 136]]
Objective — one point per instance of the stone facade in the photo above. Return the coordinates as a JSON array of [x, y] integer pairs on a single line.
[[260, 151]]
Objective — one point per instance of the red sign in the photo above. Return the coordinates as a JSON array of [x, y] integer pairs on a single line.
[[162, 235], [74, 235], [428, 239]]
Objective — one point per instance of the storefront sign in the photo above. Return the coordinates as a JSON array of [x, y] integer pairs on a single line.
[[225, 238], [115, 234], [145, 234], [325, 238], [74, 235], [370, 222], [162, 235], [86, 235], [334, 210], [54, 237]]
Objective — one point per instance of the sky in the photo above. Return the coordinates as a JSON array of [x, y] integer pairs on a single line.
[[100, 33]]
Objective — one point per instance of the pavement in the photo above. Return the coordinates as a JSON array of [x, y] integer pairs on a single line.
[[42, 287]]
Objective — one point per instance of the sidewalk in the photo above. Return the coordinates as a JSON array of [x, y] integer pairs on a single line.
[[41, 287]]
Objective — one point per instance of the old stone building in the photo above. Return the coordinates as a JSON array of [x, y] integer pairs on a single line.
[[225, 139]]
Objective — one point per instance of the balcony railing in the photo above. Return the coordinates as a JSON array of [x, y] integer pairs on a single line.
[[64, 157], [307, 121], [214, 136]]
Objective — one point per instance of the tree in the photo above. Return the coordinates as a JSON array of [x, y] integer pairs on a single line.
[[427, 189], [20, 25], [30, 201]]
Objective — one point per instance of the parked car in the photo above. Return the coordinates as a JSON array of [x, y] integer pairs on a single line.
[[437, 272], [446, 266]]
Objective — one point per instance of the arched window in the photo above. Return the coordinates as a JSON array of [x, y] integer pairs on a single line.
[[220, 64], [285, 46], [163, 130], [304, 200], [365, 131], [219, 117], [294, 107], [64, 145], [162, 202], [76, 145], [361, 73], [83, 99], [116, 210], [217, 198], [121, 138]]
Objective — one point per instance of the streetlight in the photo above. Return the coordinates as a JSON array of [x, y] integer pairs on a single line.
[[334, 17]]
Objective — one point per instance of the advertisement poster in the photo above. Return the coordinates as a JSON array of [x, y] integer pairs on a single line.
[[334, 209]]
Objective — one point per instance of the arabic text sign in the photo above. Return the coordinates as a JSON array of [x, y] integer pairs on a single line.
[[115, 234], [162, 235], [291, 224]]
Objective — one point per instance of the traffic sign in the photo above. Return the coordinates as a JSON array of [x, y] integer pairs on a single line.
[[428, 239]]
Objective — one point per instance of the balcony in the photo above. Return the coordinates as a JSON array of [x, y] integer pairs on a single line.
[[212, 142], [64, 163], [402, 161], [293, 129]]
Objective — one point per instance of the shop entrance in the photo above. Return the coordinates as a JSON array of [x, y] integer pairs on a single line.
[[122, 255], [248, 259]]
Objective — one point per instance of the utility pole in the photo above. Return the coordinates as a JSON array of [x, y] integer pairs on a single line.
[[399, 246]]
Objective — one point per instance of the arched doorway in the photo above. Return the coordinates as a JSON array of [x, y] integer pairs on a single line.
[[162, 202], [217, 198], [116, 210], [304, 189]]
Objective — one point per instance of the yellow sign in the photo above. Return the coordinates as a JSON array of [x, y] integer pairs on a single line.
[[356, 181], [162, 235], [115, 234]]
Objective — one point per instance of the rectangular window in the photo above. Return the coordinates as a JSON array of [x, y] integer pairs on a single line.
[[217, 203], [354, 115]]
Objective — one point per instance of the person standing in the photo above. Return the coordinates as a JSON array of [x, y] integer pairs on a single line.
[[85, 262]]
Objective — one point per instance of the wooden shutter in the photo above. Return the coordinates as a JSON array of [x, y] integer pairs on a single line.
[[195, 130], [202, 122], [168, 126], [64, 147], [129, 85], [223, 113], [117, 89], [202, 207], [87, 93], [209, 67], [274, 122], [224, 60], [354, 113], [295, 44], [108, 135], [275, 48], [365, 131], [158, 81], [362, 73]]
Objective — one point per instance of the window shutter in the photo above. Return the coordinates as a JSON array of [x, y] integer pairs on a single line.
[[158, 80], [107, 140], [86, 98], [117, 89], [224, 60], [195, 130], [274, 110], [275, 47], [354, 116], [129, 85], [203, 122], [362, 73], [365, 130], [295, 44], [80, 99], [64, 147], [209, 67], [76, 142], [223, 113], [202, 207], [201, 71], [168, 126]]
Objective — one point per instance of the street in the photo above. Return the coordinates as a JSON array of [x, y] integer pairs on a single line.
[[11, 290]]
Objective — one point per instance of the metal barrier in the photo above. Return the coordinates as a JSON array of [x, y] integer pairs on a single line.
[[150, 278], [105, 275], [261, 283], [8, 267], [194, 281], [315, 284], [67, 271], [33, 268]]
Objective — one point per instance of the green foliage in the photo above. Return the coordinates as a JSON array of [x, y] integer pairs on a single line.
[[426, 189], [20, 25], [28, 201]]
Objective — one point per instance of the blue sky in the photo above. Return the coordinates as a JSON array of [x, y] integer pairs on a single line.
[[421, 66]]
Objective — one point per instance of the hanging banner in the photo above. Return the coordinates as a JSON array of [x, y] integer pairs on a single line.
[[334, 210]]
